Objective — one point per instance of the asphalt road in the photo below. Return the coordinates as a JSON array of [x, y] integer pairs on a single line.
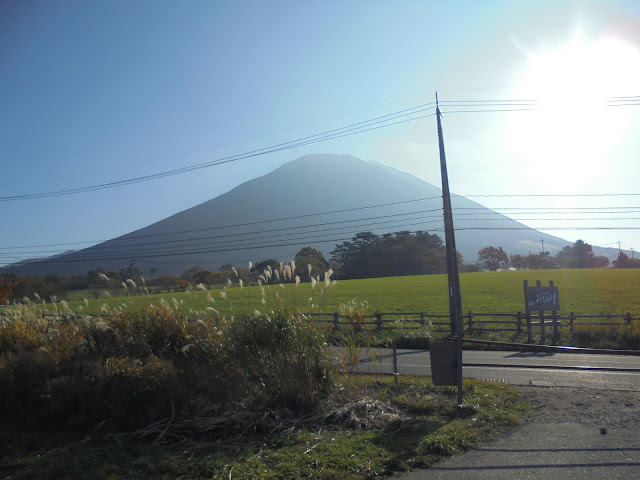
[[619, 372]]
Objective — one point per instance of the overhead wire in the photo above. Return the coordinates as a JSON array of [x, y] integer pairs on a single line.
[[359, 127], [133, 248]]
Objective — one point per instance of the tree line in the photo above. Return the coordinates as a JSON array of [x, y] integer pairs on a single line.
[[366, 255], [578, 255]]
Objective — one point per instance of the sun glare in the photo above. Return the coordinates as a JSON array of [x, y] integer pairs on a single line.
[[575, 126]]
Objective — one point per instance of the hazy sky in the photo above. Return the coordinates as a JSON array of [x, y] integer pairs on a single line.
[[97, 92]]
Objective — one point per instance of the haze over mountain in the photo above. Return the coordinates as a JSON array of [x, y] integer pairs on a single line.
[[318, 200]]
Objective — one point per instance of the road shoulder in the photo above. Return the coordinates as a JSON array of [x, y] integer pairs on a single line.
[[571, 432]]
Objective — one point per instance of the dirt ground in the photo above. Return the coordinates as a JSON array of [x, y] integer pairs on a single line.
[[570, 433], [587, 406]]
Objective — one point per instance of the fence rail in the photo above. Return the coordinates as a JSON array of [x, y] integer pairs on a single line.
[[476, 322]]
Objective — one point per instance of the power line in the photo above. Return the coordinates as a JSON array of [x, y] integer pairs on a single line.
[[258, 222], [359, 127], [457, 212], [148, 247], [287, 231], [558, 195], [382, 121], [298, 243], [230, 237]]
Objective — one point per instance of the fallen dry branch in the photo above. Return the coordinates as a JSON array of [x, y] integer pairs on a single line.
[[361, 414]]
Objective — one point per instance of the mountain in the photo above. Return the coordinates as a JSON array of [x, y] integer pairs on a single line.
[[318, 200]]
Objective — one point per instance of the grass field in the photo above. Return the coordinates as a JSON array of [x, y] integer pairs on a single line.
[[607, 291]]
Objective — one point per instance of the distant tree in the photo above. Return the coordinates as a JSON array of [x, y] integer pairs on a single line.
[[492, 258], [262, 265], [131, 273], [533, 261], [600, 261], [310, 256], [94, 282], [204, 277], [517, 261], [225, 267], [191, 274], [5, 289], [183, 285], [623, 261], [469, 267], [367, 255], [153, 271], [167, 282], [580, 255]]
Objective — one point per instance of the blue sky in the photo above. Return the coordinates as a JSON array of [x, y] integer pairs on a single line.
[[94, 92]]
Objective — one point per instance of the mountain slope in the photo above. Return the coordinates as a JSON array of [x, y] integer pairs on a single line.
[[317, 200]]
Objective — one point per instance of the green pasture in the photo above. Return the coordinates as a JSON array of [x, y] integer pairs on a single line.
[[607, 291]]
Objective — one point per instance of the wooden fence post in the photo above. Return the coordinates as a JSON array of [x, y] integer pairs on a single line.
[[556, 333], [378, 320], [423, 319], [529, 332], [470, 322], [519, 323], [336, 320], [543, 332], [572, 319], [627, 318]]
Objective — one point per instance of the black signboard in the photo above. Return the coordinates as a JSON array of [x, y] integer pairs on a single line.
[[539, 298]]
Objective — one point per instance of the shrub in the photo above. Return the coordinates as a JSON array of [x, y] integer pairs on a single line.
[[139, 366], [282, 360], [625, 337]]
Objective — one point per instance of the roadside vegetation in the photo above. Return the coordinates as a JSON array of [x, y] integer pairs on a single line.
[[605, 292], [157, 391]]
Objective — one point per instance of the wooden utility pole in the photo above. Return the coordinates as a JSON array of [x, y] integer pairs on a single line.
[[455, 300]]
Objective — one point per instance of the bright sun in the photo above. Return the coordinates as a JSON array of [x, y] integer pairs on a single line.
[[575, 123]]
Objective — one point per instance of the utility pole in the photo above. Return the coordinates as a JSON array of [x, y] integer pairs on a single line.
[[455, 300], [619, 247], [542, 254]]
